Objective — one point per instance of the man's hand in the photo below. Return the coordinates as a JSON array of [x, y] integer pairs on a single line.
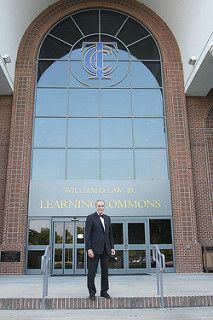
[[112, 252], [91, 253]]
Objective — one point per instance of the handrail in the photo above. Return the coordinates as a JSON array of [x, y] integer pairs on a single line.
[[160, 268], [45, 260]]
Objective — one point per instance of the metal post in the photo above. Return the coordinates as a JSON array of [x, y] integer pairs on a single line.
[[45, 270], [160, 268]]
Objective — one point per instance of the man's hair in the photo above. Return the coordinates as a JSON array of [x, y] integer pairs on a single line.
[[99, 201]]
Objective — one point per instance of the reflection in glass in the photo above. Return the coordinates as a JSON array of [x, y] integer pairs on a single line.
[[143, 77], [117, 262], [80, 232], [116, 132], [151, 164], [39, 232], [48, 164], [80, 258], [83, 132], [83, 102], [117, 164], [149, 132], [117, 230], [58, 233], [51, 102], [160, 231], [169, 261], [132, 31], [68, 258], [47, 73], [83, 164], [147, 102], [136, 233], [137, 259], [145, 49], [53, 48], [68, 233], [46, 134], [58, 259], [34, 259], [116, 102]]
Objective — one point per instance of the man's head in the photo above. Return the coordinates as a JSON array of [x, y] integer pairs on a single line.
[[100, 205]]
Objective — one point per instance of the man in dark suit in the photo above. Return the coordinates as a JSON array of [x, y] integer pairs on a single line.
[[99, 246]]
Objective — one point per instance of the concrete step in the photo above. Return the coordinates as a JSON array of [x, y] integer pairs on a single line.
[[102, 303]]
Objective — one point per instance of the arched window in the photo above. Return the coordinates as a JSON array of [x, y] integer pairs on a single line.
[[99, 107]]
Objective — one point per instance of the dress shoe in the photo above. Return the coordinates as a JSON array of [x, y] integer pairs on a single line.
[[105, 295], [92, 297]]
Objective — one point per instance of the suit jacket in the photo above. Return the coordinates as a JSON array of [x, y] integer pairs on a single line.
[[96, 237]]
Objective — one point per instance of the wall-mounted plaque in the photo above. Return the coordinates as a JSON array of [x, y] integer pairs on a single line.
[[10, 256]]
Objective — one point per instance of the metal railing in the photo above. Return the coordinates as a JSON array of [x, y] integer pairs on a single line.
[[159, 258], [45, 262]]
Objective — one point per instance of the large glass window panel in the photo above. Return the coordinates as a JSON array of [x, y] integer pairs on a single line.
[[137, 259], [80, 258], [52, 73], [50, 132], [116, 132], [67, 31], [132, 31], [116, 102], [151, 164], [116, 20], [143, 77], [117, 230], [51, 102], [83, 102], [145, 49], [48, 164], [119, 76], [117, 262], [68, 258], [58, 259], [81, 75], [169, 260], [83, 164], [80, 232], [53, 48], [83, 132], [87, 21], [59, 231], [149, 132], [136, 233], [117, 164], [68, 233], [39, 232], [147, 102], [34, 259], [160, 231]]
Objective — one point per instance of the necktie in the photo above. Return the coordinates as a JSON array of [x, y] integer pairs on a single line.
[[101, 215]]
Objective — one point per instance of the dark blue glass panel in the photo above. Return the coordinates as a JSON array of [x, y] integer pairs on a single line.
[[116, 102], [53, 73], [51, 102], [151, 164], [50, 132], [83, 132], [116, 132], [83, 102], [147, 102], [48, 164], [149, 132], [83, 164], [117, 164]]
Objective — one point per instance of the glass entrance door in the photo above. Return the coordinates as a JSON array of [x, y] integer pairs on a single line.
[[131, 247], [68, 247]]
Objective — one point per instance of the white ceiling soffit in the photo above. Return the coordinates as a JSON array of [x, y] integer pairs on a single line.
[[200, 82]]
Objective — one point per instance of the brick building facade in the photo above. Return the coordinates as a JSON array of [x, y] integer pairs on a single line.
[[189, 132]]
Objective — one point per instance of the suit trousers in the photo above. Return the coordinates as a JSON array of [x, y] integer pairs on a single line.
[[92, 269]]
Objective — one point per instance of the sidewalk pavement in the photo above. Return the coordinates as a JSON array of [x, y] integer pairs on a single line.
[[120, 286]]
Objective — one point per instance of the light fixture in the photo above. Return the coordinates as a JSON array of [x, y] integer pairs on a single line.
[[6, 58], [211, 51], [192, 60]]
